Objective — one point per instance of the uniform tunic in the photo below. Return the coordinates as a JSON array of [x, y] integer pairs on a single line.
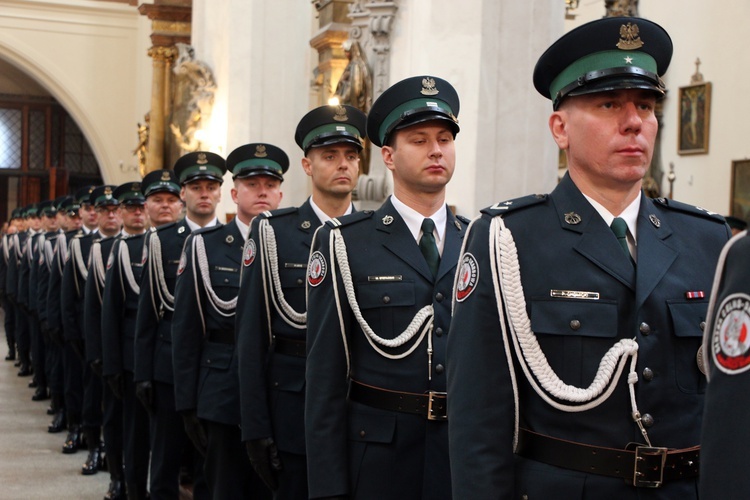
[[726, 435], [355, 449], [564, 246]]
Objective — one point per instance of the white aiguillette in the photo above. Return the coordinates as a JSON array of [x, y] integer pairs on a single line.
[[574, 294]]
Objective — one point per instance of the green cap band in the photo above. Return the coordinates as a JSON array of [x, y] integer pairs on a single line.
[[402, 111], [201, 169], [162, 186], [329, 129], [601, 61], [259, 162]]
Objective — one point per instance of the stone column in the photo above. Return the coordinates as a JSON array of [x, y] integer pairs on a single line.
[[334, 24]]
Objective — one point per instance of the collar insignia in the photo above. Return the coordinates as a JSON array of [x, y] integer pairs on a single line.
[[305, 224], [654, 220], [572, 218], [388, 220]]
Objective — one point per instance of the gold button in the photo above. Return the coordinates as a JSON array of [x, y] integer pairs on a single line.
[[648, 374], [645, 329], [647, 420]]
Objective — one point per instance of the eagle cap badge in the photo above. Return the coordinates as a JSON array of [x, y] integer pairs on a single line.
[[428, 86], [629, 37]]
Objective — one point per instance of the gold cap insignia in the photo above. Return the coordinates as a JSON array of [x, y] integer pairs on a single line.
[[572, 218], [629, 37], [305, 224], [108, 192], [388, 220], [428, 86], [136, 186], [165, 176], [202, 160], [340, 115], [260, 151]]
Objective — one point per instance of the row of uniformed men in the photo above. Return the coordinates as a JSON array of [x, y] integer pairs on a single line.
[[329, 363]]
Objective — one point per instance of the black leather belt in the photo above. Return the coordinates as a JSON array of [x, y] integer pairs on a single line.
[[290, 347], [643, 466], [220, 336], [431, 405]]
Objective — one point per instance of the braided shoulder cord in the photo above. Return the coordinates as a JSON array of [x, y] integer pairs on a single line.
[[529, 353], [225, 308], [270, 264], [61, 247], [97, 267], [423, 317], [126, 268], [156, 271], [198, 301], [17, 247], [49, 253], [78, 265]]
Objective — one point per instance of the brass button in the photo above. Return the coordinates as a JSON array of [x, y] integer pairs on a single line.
[[439, 297], [703, 326], [645, 329], [575, 324], [386, 299], [439, 369], [439, 332], [647, 420], [648, 374]]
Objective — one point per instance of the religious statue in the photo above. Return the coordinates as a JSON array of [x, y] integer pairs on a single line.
[[621, 8], [193, 99], [355, 85], [141, 149]]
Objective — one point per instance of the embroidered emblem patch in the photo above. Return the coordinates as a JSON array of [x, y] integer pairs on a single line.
[[248, 256], [468, 275], [110, 260], [316, 269], [183, 263], [730, 342]]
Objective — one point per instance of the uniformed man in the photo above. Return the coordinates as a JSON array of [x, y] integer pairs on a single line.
[[8, 306], [48, 213], [574, 367], [87, 261], [271, 340], [378, 287], [200, 175], [119, 311], [73, 369], [25, 321], [206, 375], [725, 436], [54, 347]]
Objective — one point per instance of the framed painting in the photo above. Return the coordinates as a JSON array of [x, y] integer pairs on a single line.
[[741, 189], [695, 110]]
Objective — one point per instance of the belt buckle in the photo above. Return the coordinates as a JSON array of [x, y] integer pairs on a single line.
[[649, 466], [432, 396]]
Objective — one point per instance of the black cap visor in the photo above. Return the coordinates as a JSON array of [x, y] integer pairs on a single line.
[[623, 78]]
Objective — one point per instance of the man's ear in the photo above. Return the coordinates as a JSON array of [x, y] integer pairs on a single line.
[[558, 125]]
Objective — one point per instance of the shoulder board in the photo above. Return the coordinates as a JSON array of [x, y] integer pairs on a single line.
[[352, 218], [166, 226], [511, 205], [280, 212], [689, 209], [463, 219]]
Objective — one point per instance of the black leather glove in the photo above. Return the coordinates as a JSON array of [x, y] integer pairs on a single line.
[[116, 384], [144, 391], [195, 431], [96, 367], [55, 334], [264, 457], [80, 348]]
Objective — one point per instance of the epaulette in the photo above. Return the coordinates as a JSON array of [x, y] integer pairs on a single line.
[[511, 205], [352, 218], [279, 212], [690, 209], [463, 219]]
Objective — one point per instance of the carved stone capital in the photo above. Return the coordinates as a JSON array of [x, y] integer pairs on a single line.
[[160, 53]]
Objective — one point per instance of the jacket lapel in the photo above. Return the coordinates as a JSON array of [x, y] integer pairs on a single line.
[[454, 235], [654, 256], [397, 238]]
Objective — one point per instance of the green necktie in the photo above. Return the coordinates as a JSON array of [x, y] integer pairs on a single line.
[[620, 228], [428, 247]]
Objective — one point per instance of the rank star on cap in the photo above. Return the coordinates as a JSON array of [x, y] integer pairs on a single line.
[[628, 60]]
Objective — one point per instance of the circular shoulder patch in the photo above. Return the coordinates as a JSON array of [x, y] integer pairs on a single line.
[[316, 269], [183, 263], [730, 340], [248, 256], [468, 275]]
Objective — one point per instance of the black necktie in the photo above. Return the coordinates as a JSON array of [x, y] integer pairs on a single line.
[[428, 247], [620, 228]]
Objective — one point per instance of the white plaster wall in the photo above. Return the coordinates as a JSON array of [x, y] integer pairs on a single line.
[[91, 57], [262, 71], [716, 34]]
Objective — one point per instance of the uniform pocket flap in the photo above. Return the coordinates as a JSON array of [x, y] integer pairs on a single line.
[[586, 318], [372, 427], [688, 317], [397, 293], [217, 355]]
